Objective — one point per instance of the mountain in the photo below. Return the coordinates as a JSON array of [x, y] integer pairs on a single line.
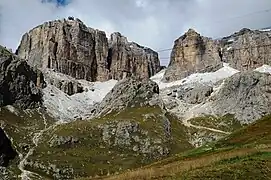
[[244, 50], [72, 48], [76, 105]]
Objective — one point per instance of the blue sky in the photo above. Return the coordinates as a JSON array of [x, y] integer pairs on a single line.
[[58, 2], [152, 23]]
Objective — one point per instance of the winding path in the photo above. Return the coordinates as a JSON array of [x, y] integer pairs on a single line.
[[28, 175], [187, 123]]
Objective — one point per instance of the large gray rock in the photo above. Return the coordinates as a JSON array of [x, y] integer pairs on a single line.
[[192, 53], [7, 153], [128, 58], [72, 48], [196, 94], [246, 95], [69, 47], [247, 49], [129, 92], [244, 50], [63, 82], [19, 83]]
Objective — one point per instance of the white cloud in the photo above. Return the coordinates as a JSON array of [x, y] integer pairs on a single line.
[[153, 23]]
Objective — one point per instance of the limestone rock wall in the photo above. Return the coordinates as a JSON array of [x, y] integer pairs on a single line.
[[244, 50], [72, 48]]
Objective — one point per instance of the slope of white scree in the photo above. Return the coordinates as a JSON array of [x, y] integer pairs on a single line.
[[65, 108], [264, 69], [204, 78]]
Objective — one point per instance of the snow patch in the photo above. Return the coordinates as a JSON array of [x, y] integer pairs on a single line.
[[204, 78], [265, 30], [264, 69], [231, 40], [229, 48], [64, 107]]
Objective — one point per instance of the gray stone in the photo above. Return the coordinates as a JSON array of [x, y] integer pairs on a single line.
[[20, 85], [57, 141], [244, 50], [72, 48], [129, 92], [246, 95]]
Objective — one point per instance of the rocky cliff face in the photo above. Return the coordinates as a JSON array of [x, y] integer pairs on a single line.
[[192, 53], [126, 59], [244, 50], [6, 151], [247, 49], [247, 95], [72, 48], [19, 83]]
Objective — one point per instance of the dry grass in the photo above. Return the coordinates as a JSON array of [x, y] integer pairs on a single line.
[[171, 169], [249, 147]]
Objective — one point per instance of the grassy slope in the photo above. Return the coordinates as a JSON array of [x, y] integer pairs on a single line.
[[245, 154], [93, 157], [20, 128], [226, 123]]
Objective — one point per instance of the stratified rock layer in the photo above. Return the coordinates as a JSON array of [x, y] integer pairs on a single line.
[[244, 50], [72, 48], [192, 53]]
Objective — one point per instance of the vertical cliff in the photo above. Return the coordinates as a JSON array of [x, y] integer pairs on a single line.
[[72, 48], [192, 53], [244, 50]]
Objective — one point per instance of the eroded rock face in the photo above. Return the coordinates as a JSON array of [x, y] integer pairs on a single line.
[[193, 53], [126, 59], [69, 47], [244, 50], [247, 49], [65, 83], [7, 153], [246, 95], [129, 92], [72, 48], [19, 84]]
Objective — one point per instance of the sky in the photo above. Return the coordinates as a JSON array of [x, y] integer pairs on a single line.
[[152, 23]]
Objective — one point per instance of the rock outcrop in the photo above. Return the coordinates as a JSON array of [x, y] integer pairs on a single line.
[[246, 95], [247, 49], [19, 83], [72, 48], [63, 82], [128, 58], [129, 92], [244, 50], [193, 53], [7, 153]]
